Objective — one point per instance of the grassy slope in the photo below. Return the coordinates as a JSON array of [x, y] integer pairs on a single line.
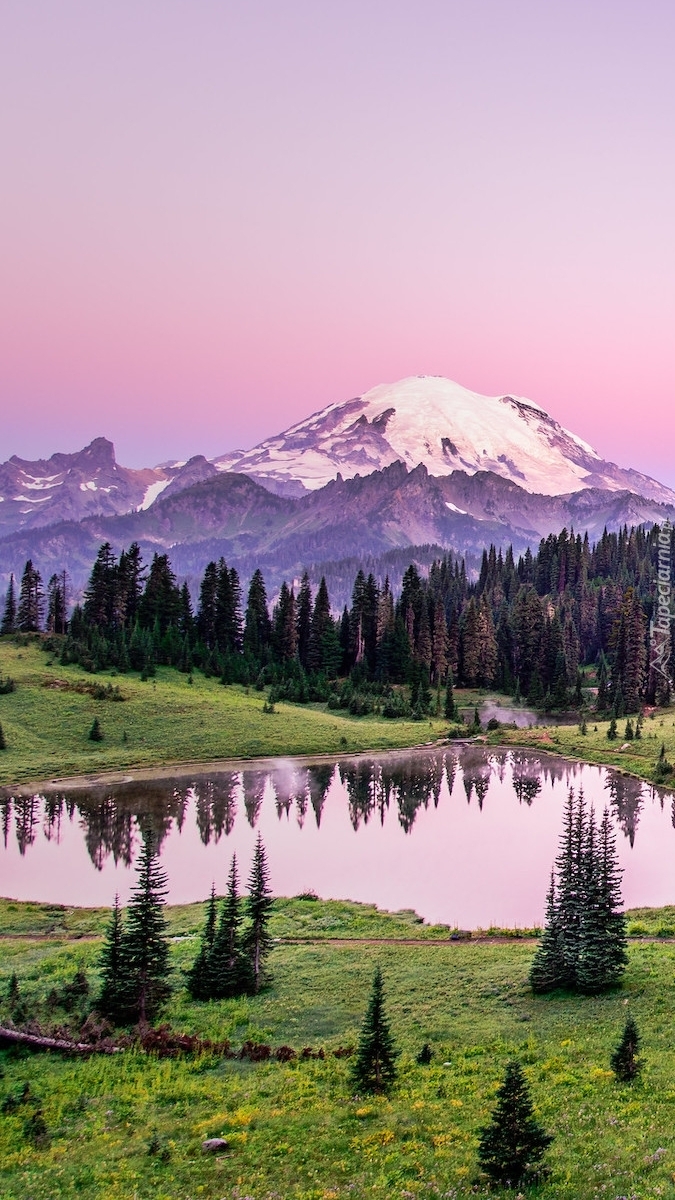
[[296, 1131], [165, 720], [639, 758]]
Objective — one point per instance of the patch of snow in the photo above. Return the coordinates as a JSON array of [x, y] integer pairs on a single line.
[[89, 486], [454, 508], [30, 500], [152, 492]]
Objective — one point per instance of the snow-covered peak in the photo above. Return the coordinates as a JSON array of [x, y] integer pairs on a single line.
[[431, 420]]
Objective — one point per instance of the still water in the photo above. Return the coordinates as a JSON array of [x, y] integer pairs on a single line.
[[464, 835]]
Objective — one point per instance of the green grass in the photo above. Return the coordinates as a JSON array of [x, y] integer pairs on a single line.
[[639, 758], [164, 720], [296, 1131]]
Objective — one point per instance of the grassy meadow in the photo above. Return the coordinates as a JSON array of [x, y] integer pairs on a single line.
[[635, 757], [46, 721], [131, 1125]]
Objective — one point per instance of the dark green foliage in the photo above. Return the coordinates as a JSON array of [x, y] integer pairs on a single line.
[[256, 941], [374, 1066], [629, 732], [611, 732], [232, 969], [96, 733], [3, 741], [583, 947], [663, 769], [512, 1147], [13, 994], [31, 600], [7, 685], [111, 1002], [144, 950], [548, 970], [424, 1056], [8, 624], [624, 1061], [200, 983]]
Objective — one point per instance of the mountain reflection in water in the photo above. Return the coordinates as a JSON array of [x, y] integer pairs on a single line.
[[455, 815]]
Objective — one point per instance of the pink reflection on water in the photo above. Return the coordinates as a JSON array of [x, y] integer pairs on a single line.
[[392, 831]]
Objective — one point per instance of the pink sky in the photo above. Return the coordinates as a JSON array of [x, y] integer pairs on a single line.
[[218, 217]]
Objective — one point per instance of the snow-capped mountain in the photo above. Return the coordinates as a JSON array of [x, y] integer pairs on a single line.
[[430, 420]]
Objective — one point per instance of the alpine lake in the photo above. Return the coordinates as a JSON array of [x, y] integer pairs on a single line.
[[464, 834]]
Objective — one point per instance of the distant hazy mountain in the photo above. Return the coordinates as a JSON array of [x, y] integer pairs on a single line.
[[416, 463], [430, 420], [69, 487]]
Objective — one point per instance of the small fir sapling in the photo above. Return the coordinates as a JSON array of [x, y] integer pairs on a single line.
[[512, 1146], [374, 1068], [624, 1061]]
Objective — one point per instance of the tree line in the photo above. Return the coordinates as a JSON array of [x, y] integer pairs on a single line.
[[524, 627]]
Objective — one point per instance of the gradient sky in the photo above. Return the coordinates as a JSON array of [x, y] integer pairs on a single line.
[[216, 218]]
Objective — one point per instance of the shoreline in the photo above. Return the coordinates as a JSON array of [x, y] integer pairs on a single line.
[[184, 768]]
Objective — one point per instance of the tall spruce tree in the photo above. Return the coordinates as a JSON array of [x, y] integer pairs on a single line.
[[231, 970], [548, 970], [110, 1000], [144, 971], [31, 600], [256, 940], [200, 975], [9, 614], [374, 1066], [512, 1147]]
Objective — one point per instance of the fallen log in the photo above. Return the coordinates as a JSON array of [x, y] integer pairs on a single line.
[[17, 1037]]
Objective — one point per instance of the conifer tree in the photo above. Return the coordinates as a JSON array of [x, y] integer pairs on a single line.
[[256, 940], [9, 615], [511, 1148], [3, 740], [450, 708], [31, 600], [199, 978], [611, 904], [110, 1000], [231, 972], [611, 732], [258, 627], [144, 973], [96, 733], [624, 1061], [304, 609], [374, 1067], [548, 970]]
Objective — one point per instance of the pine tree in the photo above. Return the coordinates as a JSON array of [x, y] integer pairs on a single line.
[[31, 600], [624, 1061], [304, 627], [96, 733], [512, 1146], [611, 904], [231, 973], [199, 978], [3, 740], [110, 1001], [374, 1068], [144, 973], [257, 627], [9, 615], [611, 732], [256, 940], [548, 970], [450, 709]]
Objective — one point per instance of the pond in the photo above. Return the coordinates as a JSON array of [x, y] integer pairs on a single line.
[[465, 835]]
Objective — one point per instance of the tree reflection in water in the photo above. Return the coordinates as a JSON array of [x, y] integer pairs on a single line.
[[404, 783]]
